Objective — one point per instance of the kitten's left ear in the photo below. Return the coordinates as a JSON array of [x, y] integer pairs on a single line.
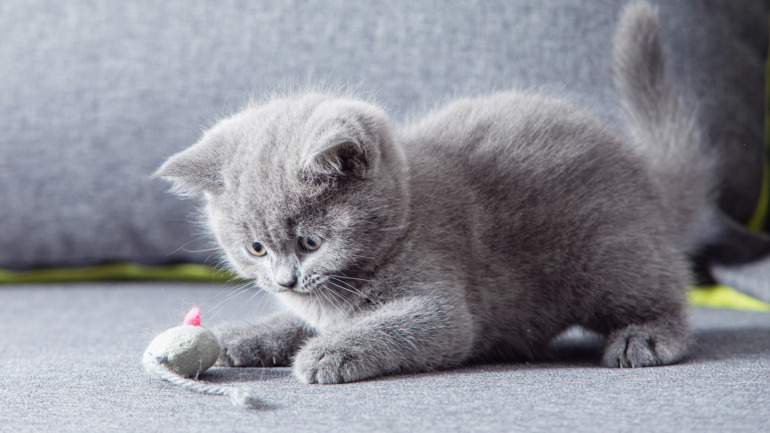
[[197, 169], [347, 141]]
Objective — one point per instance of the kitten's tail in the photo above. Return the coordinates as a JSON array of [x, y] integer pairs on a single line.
[[663, 128]]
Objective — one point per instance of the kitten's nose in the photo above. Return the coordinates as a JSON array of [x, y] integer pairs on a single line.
[[285, 272], [288, 283]]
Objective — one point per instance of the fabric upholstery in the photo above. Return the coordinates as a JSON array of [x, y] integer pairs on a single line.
[[97, 95], [72, 362]]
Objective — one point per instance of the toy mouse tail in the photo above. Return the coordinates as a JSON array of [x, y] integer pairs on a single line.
[[239, 397]]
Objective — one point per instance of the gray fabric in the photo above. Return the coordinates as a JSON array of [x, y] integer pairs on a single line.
[[752, 279], [72, 362], [96, 95]]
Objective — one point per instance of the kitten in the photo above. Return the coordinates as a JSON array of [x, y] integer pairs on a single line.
[[479, 232]]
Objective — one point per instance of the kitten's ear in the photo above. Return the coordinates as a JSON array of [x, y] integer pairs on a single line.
[[342, 157], [347, 144], [197, 169]]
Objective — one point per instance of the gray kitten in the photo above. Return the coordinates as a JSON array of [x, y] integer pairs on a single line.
[[479, 232]]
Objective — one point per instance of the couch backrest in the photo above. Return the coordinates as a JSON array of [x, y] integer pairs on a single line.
[[95, 95]]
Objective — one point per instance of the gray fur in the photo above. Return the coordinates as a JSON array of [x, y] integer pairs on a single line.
[[479, 232], [656, 116], [272, 342]]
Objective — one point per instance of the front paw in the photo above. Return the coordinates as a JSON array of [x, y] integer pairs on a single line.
[[239, 350], [328, 364]]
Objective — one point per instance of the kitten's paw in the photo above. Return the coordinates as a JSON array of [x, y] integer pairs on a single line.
[[644, 346], [316, 363], [238, 350]]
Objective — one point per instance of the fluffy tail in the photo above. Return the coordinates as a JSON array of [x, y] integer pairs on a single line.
[[664, 130]]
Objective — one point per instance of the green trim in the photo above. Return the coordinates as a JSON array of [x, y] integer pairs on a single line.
[[759, 221], [724, 297], [118, 272], [704, 296]]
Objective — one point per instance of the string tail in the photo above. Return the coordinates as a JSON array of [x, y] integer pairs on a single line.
[[240, 398]]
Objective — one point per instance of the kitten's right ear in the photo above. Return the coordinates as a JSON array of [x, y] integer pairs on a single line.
[[197, 169]]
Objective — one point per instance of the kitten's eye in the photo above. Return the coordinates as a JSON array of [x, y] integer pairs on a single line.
[[257, 249], [310, 243]]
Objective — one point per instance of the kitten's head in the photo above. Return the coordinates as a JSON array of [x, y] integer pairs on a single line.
[[299, 189]]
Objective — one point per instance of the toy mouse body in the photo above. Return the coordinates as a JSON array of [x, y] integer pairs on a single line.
[[186, 350]]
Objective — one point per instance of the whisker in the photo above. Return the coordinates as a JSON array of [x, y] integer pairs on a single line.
[[229, 297], [197, 239], [340, 294], [241, 287], [353, 307], [321, 292], [334, 302], [357, 293], [225, 294], [346, 283], [266, 298], [205, 250], [350, 278], [217, 295], [251, 298]]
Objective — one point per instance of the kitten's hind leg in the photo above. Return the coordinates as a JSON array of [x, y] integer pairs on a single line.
[[641, 309], [272, 342], [645, 345]]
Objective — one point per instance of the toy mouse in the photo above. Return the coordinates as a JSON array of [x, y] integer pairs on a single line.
[[181, 354]]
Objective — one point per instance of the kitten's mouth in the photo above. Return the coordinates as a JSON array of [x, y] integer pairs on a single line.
[[300, 290], [306, 286]]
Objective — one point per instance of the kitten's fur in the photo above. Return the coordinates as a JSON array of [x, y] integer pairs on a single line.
[[479, 232]]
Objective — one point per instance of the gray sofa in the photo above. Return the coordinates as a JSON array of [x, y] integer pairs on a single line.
[[94, 96]]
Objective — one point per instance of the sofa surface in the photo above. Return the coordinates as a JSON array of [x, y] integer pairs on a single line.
[[72, 362]]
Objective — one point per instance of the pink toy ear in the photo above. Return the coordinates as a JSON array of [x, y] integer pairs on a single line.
[[193, 317]]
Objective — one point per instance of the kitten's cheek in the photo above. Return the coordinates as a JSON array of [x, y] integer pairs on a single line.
[[240, 266], [267, 284]]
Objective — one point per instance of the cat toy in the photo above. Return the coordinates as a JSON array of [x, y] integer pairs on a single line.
[[183, 353]]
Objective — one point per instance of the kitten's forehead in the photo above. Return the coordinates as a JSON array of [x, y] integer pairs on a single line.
[[273, 131], [262, 175]]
